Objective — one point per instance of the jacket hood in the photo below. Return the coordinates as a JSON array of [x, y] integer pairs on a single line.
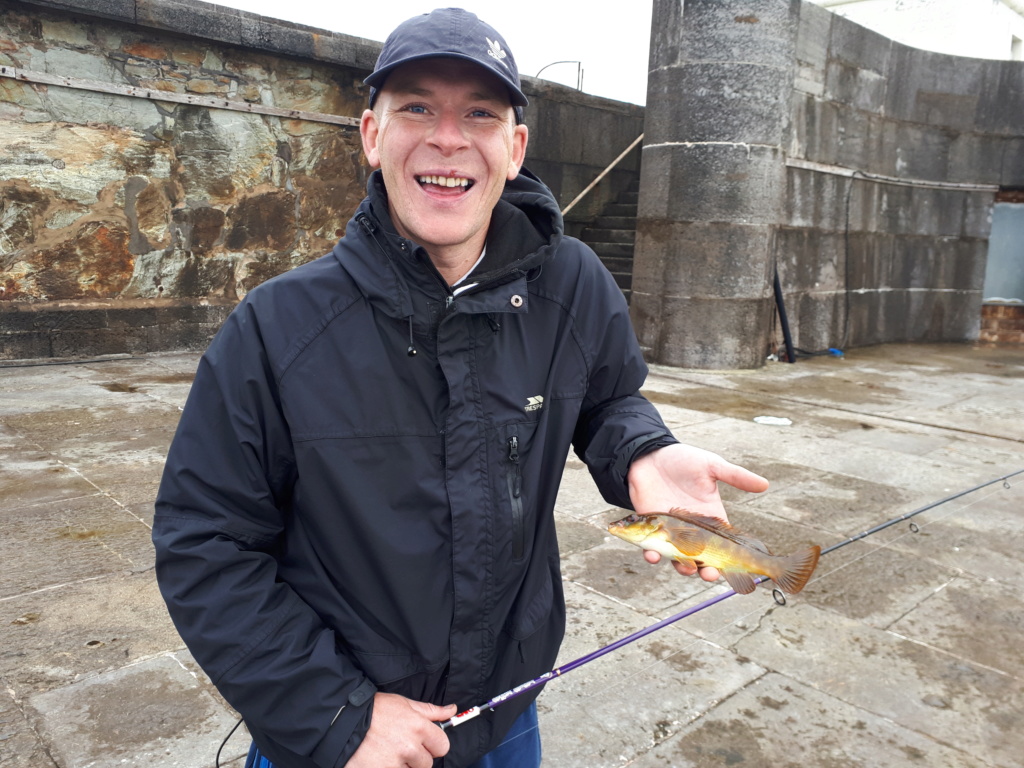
[[525, 231]]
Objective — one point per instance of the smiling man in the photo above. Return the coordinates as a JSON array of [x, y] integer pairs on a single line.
[[355, 531]]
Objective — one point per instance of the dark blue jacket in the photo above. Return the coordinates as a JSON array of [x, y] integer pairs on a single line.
[[338, 517]]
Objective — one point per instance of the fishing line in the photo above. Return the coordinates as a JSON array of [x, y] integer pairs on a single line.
[[914, 530], [530, 685]]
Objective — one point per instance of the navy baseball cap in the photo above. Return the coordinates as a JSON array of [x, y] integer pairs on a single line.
[[451, 33]]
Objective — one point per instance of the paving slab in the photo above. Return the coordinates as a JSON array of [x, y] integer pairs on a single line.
[[152, 713], [71, 539], [768, 724], [946, 697], [53, 637]]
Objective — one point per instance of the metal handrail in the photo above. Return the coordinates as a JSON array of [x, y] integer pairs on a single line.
[[603, 173]]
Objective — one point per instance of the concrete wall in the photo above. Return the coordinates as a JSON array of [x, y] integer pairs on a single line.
[[861, 169], [131, 224]]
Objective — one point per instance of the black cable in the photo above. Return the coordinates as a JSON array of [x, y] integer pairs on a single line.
[[216, 761]]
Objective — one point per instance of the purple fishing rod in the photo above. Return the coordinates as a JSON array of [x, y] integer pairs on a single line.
[[501, 698]]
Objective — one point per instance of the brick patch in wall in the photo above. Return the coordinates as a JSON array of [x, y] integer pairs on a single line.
[[1002, 323]]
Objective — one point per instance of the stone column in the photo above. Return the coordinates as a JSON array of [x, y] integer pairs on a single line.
[[713, 179]]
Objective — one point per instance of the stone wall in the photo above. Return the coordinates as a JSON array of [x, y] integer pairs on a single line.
[[894, 159], [128, 186], [781, 136]]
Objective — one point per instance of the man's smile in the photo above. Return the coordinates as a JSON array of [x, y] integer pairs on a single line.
[[445, 181]]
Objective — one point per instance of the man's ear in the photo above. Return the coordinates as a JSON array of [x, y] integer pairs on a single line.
[[369, 130], [520, 138]]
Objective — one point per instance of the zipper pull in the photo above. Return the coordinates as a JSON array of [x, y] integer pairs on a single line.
[[513, 456], [364, 220]]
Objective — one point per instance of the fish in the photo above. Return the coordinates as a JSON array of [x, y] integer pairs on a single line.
[[709, 541]]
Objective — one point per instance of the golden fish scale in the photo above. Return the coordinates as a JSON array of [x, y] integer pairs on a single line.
[[728, 555]]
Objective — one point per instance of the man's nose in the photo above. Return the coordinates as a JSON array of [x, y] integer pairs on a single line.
[[448, 134]]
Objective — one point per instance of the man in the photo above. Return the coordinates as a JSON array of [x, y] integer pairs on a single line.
[[354, 532]]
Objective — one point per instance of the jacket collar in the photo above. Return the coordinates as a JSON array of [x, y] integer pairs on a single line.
[[526, 228]]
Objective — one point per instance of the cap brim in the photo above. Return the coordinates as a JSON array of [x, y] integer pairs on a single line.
[[516, 97]]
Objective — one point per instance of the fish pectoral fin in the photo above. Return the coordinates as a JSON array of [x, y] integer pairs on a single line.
[[690, 541], [742, 583]]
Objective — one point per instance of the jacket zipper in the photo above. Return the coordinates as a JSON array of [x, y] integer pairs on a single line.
[[371, 229], [515, 489]]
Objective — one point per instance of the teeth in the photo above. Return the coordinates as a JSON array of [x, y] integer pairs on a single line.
[[444, 181]]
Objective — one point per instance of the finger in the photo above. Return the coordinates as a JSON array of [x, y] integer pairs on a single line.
[[436, 742], [651, 556], [709, 574], [739, 477], [434, 712], [685, 569]]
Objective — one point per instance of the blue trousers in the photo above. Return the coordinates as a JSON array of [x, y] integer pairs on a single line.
[[520, 749]]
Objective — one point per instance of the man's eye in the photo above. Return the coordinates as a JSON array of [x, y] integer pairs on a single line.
[[481, 113], [417, 109]]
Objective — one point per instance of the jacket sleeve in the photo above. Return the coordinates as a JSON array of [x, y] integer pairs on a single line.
[[219, 514], [617, 424]]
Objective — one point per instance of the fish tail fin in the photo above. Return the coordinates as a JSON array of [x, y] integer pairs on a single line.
[[795, 570]]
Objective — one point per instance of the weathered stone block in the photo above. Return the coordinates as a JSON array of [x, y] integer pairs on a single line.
[[810, 260], [1001, 97], [724, 30], [814, 129], [120, 10], [25, 345], [726, 101], [712, 182], [925, 263], [703, 259], [818, 320], [276, 35], [198, 19], [857, 86], [812, 39], [922, 151], [975, 158], [862, 47], [857, 137], [703, 333], [868, 263], [816, 199], [933, 87], [1013, 162]]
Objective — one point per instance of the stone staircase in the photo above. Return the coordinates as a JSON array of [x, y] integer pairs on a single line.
[[613, 235]]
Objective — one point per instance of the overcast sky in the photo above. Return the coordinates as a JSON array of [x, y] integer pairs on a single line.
[[610, 40]]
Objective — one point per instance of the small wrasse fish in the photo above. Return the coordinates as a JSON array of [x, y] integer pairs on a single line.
[[709, 541]]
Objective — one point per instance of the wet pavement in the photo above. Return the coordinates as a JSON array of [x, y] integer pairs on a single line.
[[904, 650]]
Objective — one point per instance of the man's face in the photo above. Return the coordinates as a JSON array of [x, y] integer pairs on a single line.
[[443, 132]]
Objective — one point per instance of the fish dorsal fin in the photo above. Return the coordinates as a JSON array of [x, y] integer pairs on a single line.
[[719, 527]]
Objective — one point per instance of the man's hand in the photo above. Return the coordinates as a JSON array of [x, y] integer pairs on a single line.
[[403, 734], [683, 476]]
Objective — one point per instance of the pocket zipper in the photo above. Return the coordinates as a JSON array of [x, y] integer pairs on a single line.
[[515, 489]]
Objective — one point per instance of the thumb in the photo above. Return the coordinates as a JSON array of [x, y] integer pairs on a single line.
[[434, 712], [738, 477]]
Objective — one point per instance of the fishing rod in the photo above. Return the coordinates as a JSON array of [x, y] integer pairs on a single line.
[[501, 698]]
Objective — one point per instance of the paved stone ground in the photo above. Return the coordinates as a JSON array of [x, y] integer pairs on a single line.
[[905, 650]]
